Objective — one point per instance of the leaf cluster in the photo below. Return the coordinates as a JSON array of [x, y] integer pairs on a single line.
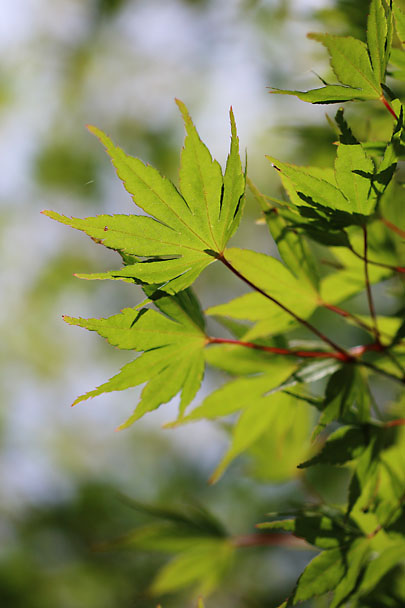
[[339, 231]]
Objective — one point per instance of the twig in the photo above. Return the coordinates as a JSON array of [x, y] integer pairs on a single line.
[[345, 356], [311, 354], [347, 315], [275, 539], [392, 227], [396, 422], [400, 269], [381, 372]]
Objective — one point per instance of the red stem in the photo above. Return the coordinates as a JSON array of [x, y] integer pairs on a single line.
[[347, 315], [394, 228], [268, 540], [344, 356], [312, 354], [397, 422], [352, 354], [394, 268], [389, 108]]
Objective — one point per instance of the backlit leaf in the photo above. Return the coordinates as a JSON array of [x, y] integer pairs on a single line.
[[202, 567], [331, 93], [185, 228], [377, 37], [172, 360], [356, 557], [321, 575], [241, 393], [399, 18], [351, 63], [274, 280], [276, 413]]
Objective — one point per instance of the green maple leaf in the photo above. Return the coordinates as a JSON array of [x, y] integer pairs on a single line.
[[359, 67], [172, 345], [185, 230], [274, 280], [348, 193]]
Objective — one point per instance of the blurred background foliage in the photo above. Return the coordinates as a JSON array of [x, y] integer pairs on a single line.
[[65, 473]]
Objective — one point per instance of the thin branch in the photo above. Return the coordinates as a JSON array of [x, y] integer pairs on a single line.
[[368, 288], [354, 353], [275, 539], [348, 315], [394, 228], [396, 422], [400, 269], [382, 372], [344, 355], [395, 362], [311, 354]]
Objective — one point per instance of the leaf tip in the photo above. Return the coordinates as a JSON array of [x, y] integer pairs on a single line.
[[216, 475], [52, 214], [182, 107], [233, 123], [92, 129]]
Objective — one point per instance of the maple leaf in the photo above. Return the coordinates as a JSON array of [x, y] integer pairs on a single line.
[[185, 230], [359, 67], [172, 345]]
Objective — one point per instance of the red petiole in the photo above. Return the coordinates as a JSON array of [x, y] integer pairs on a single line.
[[351, 355]]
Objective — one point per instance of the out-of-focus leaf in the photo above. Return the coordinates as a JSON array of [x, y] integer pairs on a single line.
[[275, 414], [355, 559], [202, 567], [240, 393], [321, 575], [275, 455], [66, 167], [390, 558], [398, 8]]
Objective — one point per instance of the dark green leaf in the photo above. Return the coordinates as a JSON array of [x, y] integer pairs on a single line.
[[344, 445], [320, 530]]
